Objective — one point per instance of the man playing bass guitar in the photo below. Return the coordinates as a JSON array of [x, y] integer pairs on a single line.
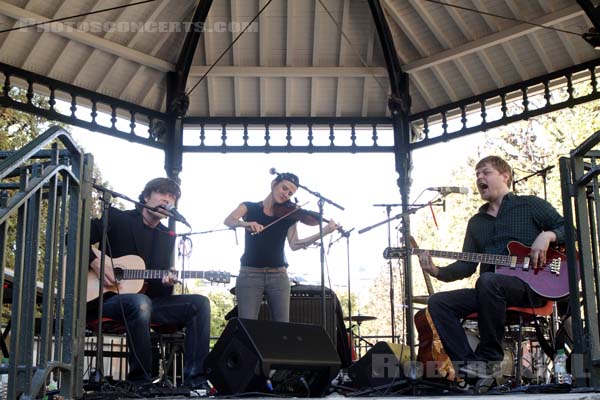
[[503, 218], [139, 232]]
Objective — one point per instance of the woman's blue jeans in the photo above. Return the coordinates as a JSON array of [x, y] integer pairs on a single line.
[[252, 285]]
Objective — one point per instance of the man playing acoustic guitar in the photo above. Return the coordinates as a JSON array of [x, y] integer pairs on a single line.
[[139, 232], [505, 217]]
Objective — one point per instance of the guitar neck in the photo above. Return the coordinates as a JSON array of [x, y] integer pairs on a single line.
[[428, 283], [495, 259], [159, 274], [426, 276]]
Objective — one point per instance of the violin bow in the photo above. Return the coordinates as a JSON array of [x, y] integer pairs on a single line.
[[280, 218]]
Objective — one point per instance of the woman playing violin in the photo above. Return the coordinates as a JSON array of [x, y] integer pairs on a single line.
[[263, 265]]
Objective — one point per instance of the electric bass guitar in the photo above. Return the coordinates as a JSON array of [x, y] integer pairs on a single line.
[[130, 272], [550, 281]]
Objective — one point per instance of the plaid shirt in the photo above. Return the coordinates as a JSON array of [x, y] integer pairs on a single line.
[[520, 218]]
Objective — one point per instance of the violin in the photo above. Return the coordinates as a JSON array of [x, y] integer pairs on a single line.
[[292, 211]]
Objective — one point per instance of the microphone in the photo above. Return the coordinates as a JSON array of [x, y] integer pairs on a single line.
[[445, 190], [173, 213], [273, 171]]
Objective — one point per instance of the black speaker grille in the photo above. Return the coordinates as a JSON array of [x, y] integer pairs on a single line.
[[306, 308]]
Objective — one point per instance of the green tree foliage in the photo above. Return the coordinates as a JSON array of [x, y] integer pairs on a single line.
[[220, 305], [18, 128], [379, 302], [343, 299]]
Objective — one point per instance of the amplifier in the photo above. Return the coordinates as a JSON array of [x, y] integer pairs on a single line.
[[306, 308]]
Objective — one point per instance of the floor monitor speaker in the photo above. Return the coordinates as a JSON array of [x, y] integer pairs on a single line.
[[272, 357], [383, 364]]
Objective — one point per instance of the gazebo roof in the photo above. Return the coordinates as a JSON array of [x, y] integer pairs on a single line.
[[300, 58]]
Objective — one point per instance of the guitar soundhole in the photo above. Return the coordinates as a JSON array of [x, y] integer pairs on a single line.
[[118, 273]]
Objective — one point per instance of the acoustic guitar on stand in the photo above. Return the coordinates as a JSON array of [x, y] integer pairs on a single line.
[[130, 272], [431, 350], [550, 281]]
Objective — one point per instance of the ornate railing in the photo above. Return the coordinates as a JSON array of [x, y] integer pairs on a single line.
[[44, 228], [288, 135], [83, 108], [506, 105]]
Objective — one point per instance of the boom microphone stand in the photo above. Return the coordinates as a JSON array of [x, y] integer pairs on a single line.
[[97, 378], [408, 296], [346, 234], [388, 208], [542, 172], [184, 250], [412, 376]]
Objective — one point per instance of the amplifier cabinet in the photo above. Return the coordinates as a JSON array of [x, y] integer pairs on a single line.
[[307, 308]]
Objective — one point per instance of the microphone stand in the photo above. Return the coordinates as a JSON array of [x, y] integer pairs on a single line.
[[184, 253], [321, 202], [346, 234], [416, 207], [388, 208], [408, 300], [542, 172], [97, 377]]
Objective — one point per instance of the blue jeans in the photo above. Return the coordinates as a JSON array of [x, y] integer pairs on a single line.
[[252, 285], [191, 311]]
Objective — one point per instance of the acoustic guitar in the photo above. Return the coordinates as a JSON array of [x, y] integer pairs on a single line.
[[130, 272], [431, 354]]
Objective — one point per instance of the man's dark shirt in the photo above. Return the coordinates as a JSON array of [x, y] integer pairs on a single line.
[[127, 234], [520, 218]]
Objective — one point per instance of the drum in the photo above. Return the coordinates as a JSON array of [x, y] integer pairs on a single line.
[[352, 346], [507, 366]]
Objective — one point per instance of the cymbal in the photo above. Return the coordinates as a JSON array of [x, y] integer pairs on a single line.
[[360, 318]]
